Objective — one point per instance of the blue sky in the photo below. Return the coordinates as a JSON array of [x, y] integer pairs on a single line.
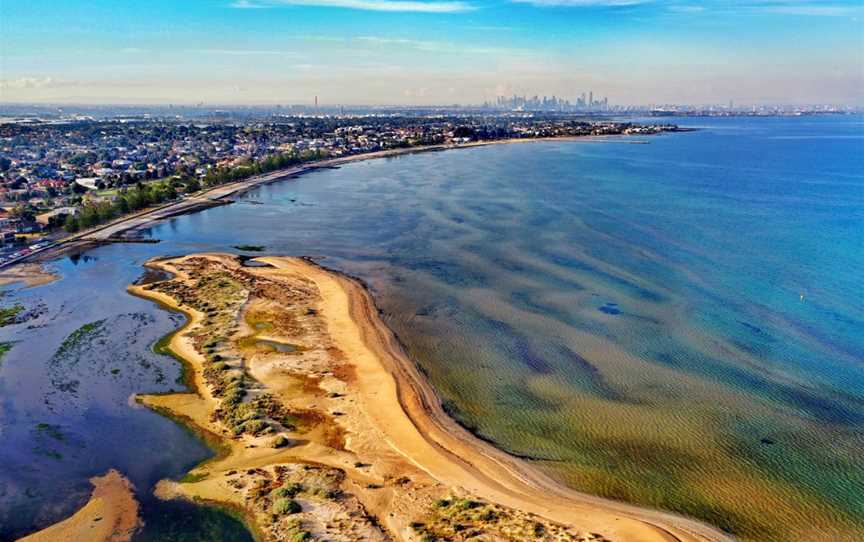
[[431, 51]]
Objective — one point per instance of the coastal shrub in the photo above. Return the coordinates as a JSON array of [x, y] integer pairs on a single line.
[[192, 477], [234, 396], [237, 414], [255, 426], [291, 490], [286, 506], [296, 531], [466, 504], [9, 315], [488, 515], [4, 348], [221, 366], [281, 441]]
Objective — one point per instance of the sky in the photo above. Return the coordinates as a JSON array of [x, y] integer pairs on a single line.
[[431, 52]]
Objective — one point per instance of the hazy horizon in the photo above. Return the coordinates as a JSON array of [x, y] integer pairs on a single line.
[[431, 52]]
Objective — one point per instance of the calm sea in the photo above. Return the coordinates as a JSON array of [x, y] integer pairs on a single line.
[[676, 321]]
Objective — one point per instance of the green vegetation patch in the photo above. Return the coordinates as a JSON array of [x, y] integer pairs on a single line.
[[459, 518], [287, 491], [9, 315], [284, 507], [51, 430], [79, 337], [192, 477], [5, 347]]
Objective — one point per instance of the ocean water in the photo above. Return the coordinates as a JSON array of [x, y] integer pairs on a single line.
[[676, 321]]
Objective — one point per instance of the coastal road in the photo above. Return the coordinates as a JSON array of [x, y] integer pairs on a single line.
[[208, 198]]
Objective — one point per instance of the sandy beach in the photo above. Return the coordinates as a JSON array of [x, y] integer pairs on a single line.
[[327, 428]]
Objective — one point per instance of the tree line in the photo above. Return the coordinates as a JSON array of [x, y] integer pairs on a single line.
[[146, 194], [222, 174], [143, 195]]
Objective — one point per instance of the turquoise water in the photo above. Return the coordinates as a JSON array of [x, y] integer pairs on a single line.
[[678, 323]]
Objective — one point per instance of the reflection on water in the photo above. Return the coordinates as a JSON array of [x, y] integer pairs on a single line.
[[676, 324]]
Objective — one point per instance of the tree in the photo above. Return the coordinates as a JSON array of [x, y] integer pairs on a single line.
[[5, 163], [170, 192], [71, 224], [24, 212]]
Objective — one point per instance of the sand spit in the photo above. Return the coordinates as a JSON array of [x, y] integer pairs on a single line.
[[30, 274], [111, 515], [328, 431]]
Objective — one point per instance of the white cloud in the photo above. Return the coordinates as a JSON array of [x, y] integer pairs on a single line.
[[418, 6], [810, 9], [436, 46], [833, 8], [26, 82], [582, 3], [247, 4], [243, 52]]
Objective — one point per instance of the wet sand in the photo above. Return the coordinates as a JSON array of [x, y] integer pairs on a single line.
[[30, 274], [369, 423], [111, 515]]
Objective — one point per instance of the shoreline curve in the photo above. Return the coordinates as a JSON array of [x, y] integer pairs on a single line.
[[399, 402]]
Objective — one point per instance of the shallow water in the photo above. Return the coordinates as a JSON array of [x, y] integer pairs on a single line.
[[677, 324]]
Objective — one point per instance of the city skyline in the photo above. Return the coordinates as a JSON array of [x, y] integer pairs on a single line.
[[440, 52]]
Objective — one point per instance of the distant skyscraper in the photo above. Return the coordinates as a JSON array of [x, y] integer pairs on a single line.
[[591, 98]]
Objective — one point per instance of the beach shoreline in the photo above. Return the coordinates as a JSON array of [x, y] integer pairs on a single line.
[[220, 195], [396, 403]]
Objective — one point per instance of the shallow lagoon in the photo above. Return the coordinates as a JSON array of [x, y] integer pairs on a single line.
[[677, 324]]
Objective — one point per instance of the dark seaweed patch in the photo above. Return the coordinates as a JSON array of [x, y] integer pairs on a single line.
[[520, 347], [447, 272], [589, 376], [806, 400], [610, 308]]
